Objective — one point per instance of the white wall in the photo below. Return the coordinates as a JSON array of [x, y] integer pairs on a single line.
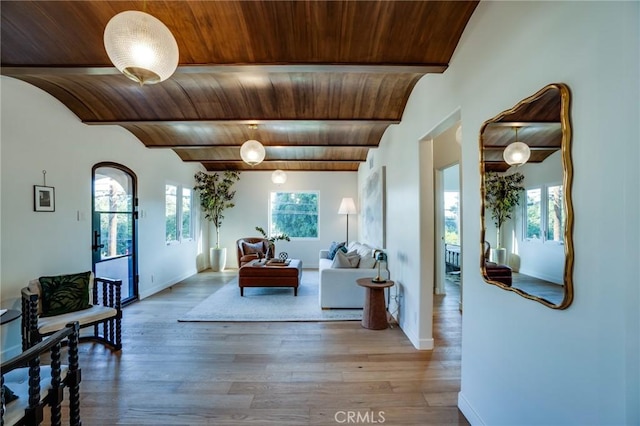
[[252, 209], [39, 133], [523, 363]]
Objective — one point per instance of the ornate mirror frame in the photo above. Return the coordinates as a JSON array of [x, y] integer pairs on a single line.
[[536, 109]]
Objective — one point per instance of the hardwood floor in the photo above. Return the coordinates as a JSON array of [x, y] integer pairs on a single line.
[[172, 373]]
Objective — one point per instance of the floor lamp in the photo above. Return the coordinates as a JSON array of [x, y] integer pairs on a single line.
[[347, 206]]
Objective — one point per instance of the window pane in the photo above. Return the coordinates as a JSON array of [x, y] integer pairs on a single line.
[[186, 213], [532, 220], [113, 190], [451, 217], [555, 214], [294, 214], [115, 234], [171, 213]]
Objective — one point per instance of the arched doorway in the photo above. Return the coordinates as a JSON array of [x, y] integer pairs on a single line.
[[114, 206]]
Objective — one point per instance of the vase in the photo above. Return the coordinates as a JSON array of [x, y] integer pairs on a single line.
[[217, 258], [499, 256]]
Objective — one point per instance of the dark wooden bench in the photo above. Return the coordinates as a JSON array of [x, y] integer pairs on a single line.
[[37, 387]]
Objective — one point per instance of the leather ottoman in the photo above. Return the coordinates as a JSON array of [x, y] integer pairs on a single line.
[[497, 272], [257, 274]]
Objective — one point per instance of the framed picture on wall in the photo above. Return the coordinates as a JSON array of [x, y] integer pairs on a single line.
[[44, 198]]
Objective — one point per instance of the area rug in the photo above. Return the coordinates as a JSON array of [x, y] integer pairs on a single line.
[[268, 304]]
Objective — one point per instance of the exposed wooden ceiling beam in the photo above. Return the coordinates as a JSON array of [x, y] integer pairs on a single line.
[[238, 145], [347, 121], [242, 68]]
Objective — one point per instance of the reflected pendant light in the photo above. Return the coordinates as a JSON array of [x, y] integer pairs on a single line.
[[517, 153], [278, 177], [252, 152], [141, 47]]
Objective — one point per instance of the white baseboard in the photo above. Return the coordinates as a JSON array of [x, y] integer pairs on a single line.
[[158, 288], [420, 344], [472, 417]]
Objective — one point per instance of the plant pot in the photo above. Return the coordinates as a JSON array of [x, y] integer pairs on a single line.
[[499, 256], [217, 258]]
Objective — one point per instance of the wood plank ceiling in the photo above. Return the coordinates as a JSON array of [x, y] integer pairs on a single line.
[[322, 79], [539, 126]]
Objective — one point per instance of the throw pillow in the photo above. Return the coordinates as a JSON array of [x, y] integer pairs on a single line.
[[368, 262], [8, 395], [250, 248], [346, 260], [65, 293], [335, 246]]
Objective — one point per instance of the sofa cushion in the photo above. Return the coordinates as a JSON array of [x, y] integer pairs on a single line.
[[346, 260], [333, 249], [62, 294]]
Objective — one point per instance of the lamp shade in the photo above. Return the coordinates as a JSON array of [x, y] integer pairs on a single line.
[[278, 177], [517, 153], [347, 206], [252, 152], [141, 47]]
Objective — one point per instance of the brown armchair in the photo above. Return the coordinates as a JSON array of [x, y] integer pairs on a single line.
[[251, 248]]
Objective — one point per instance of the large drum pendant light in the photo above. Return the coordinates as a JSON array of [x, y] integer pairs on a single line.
[[141, 47]]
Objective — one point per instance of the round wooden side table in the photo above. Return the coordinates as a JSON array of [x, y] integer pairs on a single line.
[[374, 314]]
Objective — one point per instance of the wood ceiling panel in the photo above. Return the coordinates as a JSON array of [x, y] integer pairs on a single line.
[[243, 32], [315, 75], [300, 133], [280, 153], [310, 166], [281, 96]]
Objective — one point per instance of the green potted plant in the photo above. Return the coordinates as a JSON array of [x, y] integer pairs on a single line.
[[502, 195], [216, 196], [273, 238]]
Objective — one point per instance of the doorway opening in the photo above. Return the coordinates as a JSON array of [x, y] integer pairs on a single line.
[[114, 226]]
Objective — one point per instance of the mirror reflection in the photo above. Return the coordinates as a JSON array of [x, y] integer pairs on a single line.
[[527, 213]]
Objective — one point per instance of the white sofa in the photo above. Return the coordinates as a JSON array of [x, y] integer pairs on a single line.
[[338, 287]]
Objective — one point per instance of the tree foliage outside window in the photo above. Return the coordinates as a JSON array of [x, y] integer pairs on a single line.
[[452, 217], [555, 213], [171, 213], [544, 214], [113, 204], [534, 220], [294, 214]]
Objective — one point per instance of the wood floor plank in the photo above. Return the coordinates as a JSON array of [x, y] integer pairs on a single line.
[[297, 373]]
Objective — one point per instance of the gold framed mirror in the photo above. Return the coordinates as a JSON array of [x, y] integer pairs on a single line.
[[527, 212]]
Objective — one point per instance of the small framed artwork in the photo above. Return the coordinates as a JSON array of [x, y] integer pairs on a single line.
[[44, 198]]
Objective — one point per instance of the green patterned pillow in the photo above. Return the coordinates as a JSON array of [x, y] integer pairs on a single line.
[[65, 293]]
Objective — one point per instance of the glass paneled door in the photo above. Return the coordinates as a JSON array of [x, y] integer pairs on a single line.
[[114, 226]]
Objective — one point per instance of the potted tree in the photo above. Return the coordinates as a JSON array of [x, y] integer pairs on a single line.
[[502, 195], [216, 196]]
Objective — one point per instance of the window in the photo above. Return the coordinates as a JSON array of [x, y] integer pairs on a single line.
[[178, 211], [544, 214], [294, 214], [533, 220], [452, 217], [555, 214]]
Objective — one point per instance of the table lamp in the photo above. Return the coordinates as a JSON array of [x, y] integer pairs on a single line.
[[380, 257]]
